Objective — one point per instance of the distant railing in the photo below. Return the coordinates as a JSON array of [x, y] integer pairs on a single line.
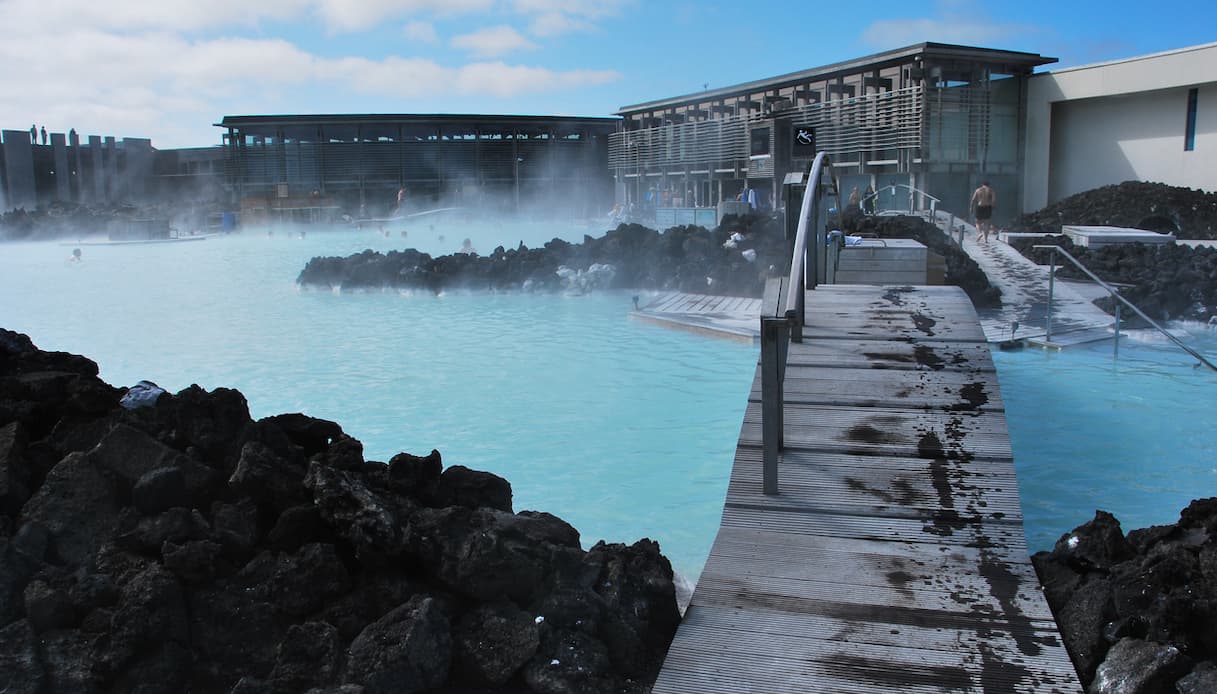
[[782, 311], [1115, 295], [913, 202]]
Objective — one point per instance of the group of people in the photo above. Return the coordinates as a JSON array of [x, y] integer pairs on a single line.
[[864, 201], [35, 131]]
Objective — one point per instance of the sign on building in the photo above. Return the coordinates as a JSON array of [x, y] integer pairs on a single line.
[[803, 142]]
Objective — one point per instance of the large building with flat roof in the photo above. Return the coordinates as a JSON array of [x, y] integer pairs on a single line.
[[932, 117], [534, 164], [935, 117]]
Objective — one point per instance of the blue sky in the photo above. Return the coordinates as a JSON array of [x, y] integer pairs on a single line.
[[169, 69]]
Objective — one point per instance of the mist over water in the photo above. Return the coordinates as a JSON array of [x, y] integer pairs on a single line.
[[624, 429]]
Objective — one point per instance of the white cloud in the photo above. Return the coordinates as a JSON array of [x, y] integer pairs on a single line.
[[170, 76], [422, 32], [578, 8], [354, 15], [556, 24], [493, 41], [952, 21], [132, 15], [498, 79]]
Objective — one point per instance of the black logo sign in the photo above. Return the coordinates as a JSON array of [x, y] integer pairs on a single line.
[[803, 144]]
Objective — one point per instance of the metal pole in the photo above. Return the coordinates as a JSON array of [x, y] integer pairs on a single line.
[[774, 332], [1051, 283], [1116, 348]]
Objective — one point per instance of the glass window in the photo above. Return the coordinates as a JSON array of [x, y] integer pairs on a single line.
[[1189, 133]]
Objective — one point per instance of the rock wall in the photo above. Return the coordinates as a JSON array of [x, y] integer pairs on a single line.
[[1168, 282], [182, 546], [688, 258], [1185, 212], [1139, 613]]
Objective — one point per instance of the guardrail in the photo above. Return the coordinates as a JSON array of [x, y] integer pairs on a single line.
[[783, 310], [1114, 294]]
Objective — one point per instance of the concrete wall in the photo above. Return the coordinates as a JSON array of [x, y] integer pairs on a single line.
[[20, 190], [1123, 120]]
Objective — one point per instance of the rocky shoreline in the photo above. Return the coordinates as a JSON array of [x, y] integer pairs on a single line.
[[1168, 282], [1137, 612], [159, 542], [732, 260]]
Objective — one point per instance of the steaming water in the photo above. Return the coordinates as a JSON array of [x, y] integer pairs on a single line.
[[624, 429]]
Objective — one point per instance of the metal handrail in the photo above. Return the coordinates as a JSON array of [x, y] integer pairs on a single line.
[[893, 186], [1114, 294], [782, 317], [796, 286]]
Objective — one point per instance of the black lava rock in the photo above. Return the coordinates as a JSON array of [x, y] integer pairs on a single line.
[[184, 547]]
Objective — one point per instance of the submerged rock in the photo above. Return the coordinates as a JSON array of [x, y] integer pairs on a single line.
[[181, 546]]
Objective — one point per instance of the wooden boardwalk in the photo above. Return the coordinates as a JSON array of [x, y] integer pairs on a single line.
[[724, 316], [893, 558]]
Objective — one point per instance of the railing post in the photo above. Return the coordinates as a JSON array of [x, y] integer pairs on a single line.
[[774, 332], [775, 339], [1116, 346], [1051, 284]]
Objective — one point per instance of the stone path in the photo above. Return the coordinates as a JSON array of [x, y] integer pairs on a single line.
[[1024, 287]]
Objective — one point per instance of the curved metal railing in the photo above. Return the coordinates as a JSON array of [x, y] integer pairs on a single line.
[[782, 311]]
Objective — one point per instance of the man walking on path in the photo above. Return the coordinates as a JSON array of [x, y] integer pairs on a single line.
[[983, 200]]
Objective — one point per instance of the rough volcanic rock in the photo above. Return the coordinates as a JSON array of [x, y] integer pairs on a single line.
[[684, 258], [1188, 213], [1165, 281], [182, 546], [1137, 612]]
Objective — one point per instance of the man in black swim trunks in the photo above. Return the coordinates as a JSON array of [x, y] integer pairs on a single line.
[[983, 200]]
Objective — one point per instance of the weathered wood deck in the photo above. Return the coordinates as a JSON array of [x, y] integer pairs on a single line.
[[893, 558], [724, 316]]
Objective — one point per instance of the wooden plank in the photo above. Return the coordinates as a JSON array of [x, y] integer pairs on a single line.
[[960, 390], [875, 485], [892, 557], [887, 431]]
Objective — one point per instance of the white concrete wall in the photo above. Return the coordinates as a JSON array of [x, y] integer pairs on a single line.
[[1124, 120]]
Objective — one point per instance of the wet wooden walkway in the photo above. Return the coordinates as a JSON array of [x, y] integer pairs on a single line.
[[893, 558], [723, 316]]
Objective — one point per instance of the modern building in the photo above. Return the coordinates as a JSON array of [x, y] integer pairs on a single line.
[[100, 170], [934, 117], [1147, 118], [360, 163], [931, 117]]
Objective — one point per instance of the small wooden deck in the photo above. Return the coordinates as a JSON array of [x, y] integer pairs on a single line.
[[893, 558], [723, 316]]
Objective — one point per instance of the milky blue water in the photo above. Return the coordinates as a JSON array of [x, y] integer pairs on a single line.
[[1134, 436], [625, 429]]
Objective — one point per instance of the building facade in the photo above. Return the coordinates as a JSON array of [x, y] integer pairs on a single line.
[[1147, 118], [101, 170], [935, 117], [361, 163]]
